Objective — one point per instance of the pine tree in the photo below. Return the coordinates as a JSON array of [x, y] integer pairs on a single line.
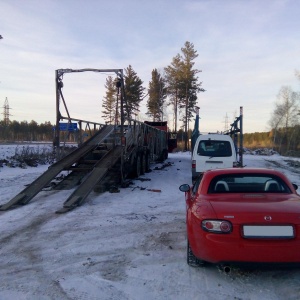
[[191, 85], [133, 91], [110, 101], [183, 85], [174, 85], [157, 95]]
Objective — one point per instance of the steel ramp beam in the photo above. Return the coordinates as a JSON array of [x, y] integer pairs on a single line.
[[99, 171], [36, 186]]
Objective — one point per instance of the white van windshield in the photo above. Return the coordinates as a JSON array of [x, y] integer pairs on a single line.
[[214, 148]]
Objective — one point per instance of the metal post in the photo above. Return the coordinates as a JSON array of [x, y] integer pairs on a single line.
[[80, 133], [122, 102], [57, 133], [241, 136]]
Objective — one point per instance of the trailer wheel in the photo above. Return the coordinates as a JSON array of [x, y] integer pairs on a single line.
[[143, 164], [125, 170], [136, 167], [165, 154], [147, 158]]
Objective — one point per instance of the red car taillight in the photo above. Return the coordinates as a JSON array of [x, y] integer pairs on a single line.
[[217, 226], [193, 164]]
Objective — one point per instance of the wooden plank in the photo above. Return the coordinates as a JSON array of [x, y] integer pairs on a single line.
[[13, 201]]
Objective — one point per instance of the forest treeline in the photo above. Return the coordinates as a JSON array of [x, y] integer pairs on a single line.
[[15, 131], [286, 141]]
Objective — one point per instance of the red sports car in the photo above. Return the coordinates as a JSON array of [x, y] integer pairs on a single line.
[[242, 215]]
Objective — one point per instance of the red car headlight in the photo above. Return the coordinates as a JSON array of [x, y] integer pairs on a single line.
[[217, 226]]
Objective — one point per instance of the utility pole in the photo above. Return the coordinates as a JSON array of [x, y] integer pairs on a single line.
[[6, 113], [226, 123]]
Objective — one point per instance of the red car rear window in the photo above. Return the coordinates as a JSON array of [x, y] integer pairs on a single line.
[[248, 183]]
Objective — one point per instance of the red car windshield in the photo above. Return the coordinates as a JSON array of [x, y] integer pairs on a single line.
[[248, 183]]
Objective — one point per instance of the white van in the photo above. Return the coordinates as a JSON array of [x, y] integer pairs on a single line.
[[213, 151]]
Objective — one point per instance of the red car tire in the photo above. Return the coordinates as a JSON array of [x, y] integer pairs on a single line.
[[192, 260]]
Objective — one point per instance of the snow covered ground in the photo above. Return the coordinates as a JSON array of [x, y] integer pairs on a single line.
[[127, 245]]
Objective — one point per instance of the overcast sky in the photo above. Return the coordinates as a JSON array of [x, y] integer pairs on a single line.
[[247, 51]]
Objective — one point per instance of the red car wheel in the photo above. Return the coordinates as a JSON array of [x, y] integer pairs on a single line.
[[192, 260]]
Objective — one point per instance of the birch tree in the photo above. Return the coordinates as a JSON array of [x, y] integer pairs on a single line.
[[285, 116]]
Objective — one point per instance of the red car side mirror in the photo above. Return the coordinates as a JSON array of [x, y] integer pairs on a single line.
[[184, 187]]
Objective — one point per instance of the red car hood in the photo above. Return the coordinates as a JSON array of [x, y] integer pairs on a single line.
[[252, 208]]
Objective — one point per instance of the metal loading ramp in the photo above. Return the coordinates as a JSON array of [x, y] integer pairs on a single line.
[[67, 163], [99, 171]]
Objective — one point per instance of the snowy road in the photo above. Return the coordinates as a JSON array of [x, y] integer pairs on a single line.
[[127, 245]]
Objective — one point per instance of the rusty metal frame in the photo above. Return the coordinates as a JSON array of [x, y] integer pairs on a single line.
[[59, 96], [236, 133]]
